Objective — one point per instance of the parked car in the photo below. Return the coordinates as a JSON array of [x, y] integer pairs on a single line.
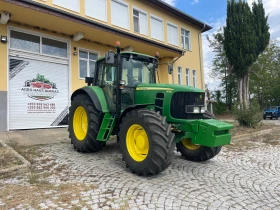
[[272, 112]]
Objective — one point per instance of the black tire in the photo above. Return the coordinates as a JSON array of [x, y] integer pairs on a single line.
[[264, 117], [276, 117], [201, 153], [160, 141], [89, 143]]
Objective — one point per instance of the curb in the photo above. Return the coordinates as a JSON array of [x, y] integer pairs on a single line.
[[24, 167], [255, 134]]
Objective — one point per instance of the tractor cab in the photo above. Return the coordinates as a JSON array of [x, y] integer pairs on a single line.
[[134, 69]]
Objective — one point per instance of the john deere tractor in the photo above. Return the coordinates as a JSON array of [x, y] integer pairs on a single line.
[[149, 119]]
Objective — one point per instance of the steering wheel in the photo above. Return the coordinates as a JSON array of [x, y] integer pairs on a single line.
[[138, 79]]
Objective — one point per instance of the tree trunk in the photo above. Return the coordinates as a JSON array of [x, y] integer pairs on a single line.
[[243, 91]]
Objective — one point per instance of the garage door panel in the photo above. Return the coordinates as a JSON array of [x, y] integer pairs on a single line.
[[38, 93]]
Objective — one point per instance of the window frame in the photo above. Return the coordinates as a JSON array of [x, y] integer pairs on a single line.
[[187, 76], [124, 4], [180, 73], [41, 35], [159, 19], [194, 78], [175, 26], [143, 12], [190, 44], [88, 69]]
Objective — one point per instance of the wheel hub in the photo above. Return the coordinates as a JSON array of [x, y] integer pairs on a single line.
[[137, 142], [189, 145], [80, 123]]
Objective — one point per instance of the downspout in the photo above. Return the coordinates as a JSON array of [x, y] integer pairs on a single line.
[[168, 64], [200, 56]]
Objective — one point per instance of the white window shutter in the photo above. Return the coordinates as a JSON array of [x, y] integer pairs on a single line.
[[156, 29], [169, 28], [73, 5], [120, 14], [96, 9], [175, 36], [143, 24]]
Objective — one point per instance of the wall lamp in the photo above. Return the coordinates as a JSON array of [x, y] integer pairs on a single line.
[[78, 36], [4, 17], [75, 51], [4, 39]]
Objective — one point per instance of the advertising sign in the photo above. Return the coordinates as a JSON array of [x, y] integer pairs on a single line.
[[38, 94]]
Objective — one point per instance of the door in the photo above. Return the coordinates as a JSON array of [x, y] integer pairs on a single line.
[[38, 93]]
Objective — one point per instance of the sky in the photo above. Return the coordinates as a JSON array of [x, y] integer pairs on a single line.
[[213, 12]]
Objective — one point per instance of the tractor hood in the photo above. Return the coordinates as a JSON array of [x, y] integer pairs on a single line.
[[168, 87]]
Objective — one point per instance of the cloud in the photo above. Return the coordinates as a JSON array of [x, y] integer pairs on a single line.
[[171, 2], [195, 1], [208, 53]]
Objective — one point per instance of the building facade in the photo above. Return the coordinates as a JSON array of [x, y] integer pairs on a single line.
[[48, 47]]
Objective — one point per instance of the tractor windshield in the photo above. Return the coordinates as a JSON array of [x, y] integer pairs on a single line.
[[138, 70]]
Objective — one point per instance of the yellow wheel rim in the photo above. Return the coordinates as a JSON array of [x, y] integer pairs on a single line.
[[80, 123], [189, 145], [137, 143]]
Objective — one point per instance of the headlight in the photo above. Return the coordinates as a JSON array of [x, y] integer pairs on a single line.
[[202, 110], [196, 110]]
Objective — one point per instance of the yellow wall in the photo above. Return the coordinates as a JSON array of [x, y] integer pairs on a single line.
[[3, 60]]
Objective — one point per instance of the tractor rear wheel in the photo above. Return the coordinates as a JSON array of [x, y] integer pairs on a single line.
[[197, 153], [146, 142], [84, 123]]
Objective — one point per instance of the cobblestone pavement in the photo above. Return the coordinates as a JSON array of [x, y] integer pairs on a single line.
[[240, 177]]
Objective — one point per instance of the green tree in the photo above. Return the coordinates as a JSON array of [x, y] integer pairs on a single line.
[[246, 37], [264, 82]]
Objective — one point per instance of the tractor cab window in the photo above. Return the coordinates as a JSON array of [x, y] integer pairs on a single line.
[[137, 71], [106, 74]]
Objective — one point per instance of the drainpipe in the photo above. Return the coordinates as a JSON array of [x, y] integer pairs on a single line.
[[200, 56]]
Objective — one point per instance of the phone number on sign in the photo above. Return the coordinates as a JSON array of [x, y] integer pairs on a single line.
[[41, 108]]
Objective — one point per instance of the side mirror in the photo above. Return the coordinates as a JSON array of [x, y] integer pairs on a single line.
[[170, 68], [89, 80], [110, 57]]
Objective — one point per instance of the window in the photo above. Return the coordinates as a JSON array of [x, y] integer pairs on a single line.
[[172, 34], [109, 74], [25, 41], [87, 63], [120, 15], [74, 5], [140, 22], [38, 44], [185, 39], [187, 76], [53, 47], [96, 9], [179, 75], [194, 78], [156, 28]]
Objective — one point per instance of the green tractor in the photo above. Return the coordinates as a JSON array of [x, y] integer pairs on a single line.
[[149, 119]]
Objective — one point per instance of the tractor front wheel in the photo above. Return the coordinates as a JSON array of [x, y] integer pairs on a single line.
[[146, 142], [84, 123], [197, 153]]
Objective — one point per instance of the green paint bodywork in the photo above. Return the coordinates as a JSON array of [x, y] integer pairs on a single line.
[[208, 132], [100, 94]]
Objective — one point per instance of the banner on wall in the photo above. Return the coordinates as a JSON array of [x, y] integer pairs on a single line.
[[38, 94]]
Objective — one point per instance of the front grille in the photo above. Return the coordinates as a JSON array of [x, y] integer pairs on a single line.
[[181, 99]]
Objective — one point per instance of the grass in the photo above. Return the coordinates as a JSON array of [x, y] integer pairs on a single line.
[[240, 130], [7, 158]]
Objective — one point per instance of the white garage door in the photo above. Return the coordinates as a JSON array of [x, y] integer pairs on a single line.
[[38, 82]]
